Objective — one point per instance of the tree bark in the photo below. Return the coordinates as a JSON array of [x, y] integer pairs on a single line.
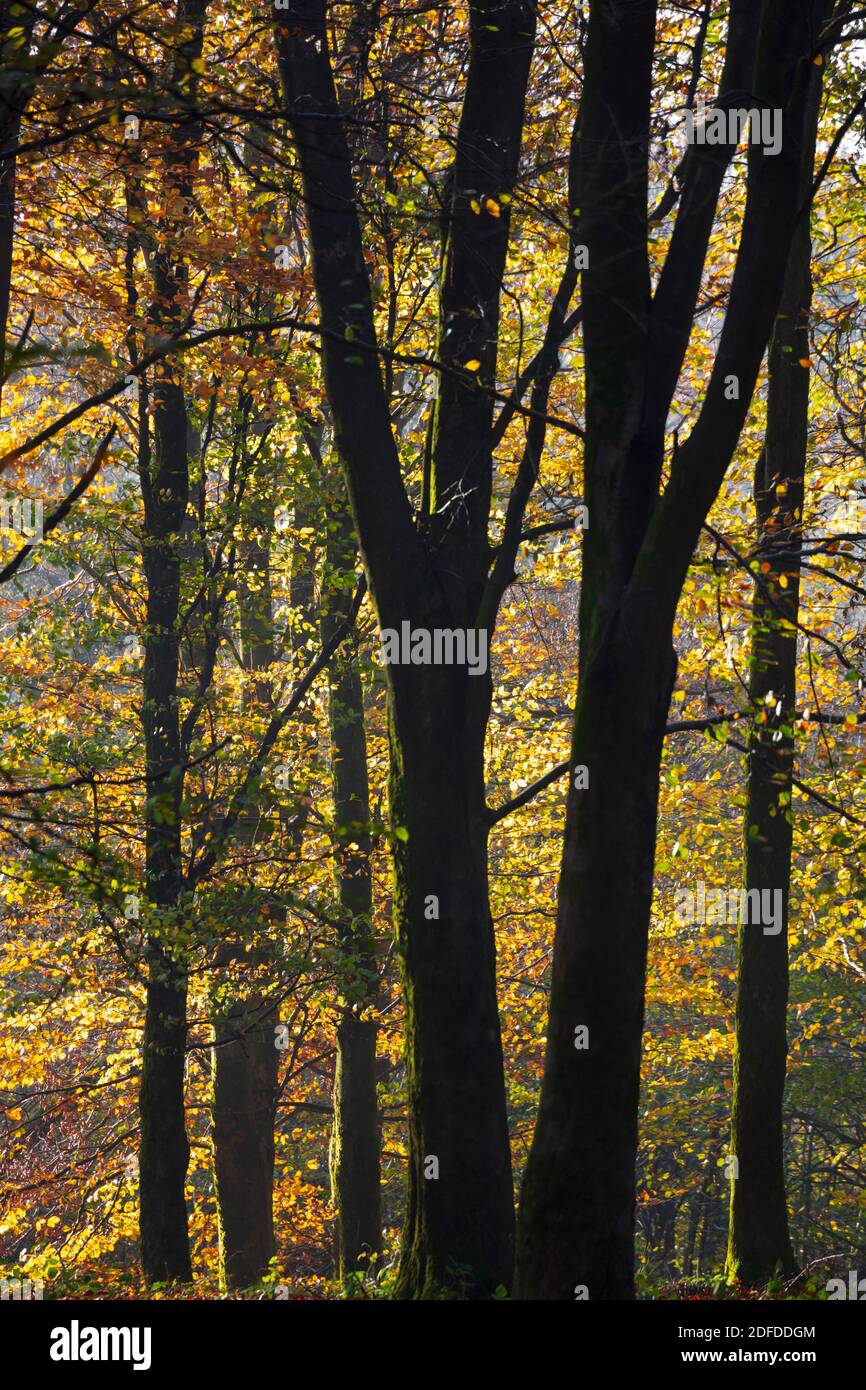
[[245, 1064]]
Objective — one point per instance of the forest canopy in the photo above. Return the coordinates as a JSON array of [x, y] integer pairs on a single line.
[[432, 649]]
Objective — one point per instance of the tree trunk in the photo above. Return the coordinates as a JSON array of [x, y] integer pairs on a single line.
[[354, 1150], [9, 129], [355, 1145], [164, 1150], [245, 1063], [577, 1203], [245, 1060], [759, 1243], [458, 1228]]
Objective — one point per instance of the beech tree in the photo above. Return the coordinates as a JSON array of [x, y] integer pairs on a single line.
[[647, 504], [164, 1151], [432, 571]]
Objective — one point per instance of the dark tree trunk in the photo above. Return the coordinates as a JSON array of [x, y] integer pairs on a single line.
[[244, 1099], [458, 1230], [577, 1208], [244, 1059], [164, 1149], [354, 1151], [759, 1243], [355, 1144]]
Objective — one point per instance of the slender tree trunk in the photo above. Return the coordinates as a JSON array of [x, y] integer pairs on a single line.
[[245, 1061], [164, 1148], [759, 1243], [694, 1218], [354, 1151], [9, 129], [806, 1193], [355, 1145]]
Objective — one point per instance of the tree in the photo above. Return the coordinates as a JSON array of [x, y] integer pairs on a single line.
[[759, 1244], [164, 1151], [22, 67], [577, 1203], [432, 574]]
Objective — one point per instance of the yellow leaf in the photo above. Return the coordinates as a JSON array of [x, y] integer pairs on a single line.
[[492, 207], [475, 205], [472, 365]]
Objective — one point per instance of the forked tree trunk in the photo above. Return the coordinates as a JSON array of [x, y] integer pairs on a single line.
[[458, 1232], [577, 1208]]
